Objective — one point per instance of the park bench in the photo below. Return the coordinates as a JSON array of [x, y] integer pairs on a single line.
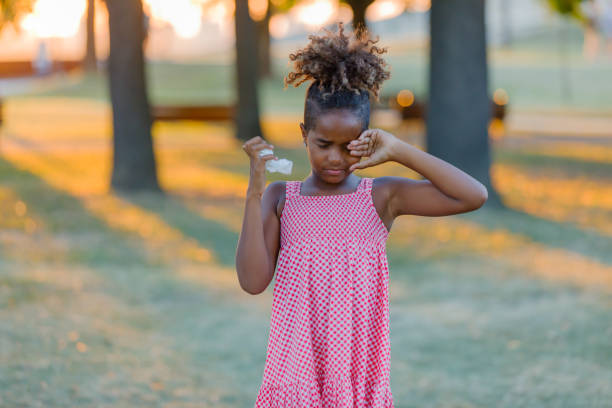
[[413, 108], [219, 113], [25, 69]]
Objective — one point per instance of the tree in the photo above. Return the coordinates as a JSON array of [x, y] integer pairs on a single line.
[[134, 166], [264, 55], [567, 8], [89, 60], [247, 109], [459, 106], [359, 9]]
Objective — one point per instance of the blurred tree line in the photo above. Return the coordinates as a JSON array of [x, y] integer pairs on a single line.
[[459, 107]]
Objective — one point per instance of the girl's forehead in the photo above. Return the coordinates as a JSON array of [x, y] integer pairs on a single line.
[[338, 125]]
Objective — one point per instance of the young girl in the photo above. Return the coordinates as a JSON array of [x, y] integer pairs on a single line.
[[325, 236]]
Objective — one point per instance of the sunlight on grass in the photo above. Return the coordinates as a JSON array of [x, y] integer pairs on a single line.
[[446, 238], [588, 153], [167, 242], [14, 213], [581, 200], [199, 160], [228, 213], [136, 293], [56, 120], [79, 174]]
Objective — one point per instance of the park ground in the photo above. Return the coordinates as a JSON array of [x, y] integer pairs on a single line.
[[114, 300]]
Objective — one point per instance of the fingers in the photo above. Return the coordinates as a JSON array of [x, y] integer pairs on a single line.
[[361, 147], [255, 141], [360, 165], [252, 141], [361, 150], [361, 142], [269, 157], [254, 145]]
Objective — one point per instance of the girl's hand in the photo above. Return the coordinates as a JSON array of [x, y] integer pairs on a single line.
[[257, 180], [375, 144]]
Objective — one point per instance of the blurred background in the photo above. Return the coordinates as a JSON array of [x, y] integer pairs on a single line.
[[122, 187]]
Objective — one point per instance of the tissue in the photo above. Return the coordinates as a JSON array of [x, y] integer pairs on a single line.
[[283, 166]]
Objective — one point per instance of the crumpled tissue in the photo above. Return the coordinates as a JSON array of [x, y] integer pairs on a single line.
[[280, 166]]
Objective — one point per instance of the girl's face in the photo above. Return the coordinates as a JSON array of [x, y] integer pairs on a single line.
[[326, 144]]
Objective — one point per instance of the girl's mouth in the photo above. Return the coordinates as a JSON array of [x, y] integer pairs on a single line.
[[333, 172]]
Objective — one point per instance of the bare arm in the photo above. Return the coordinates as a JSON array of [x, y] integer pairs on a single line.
[[446, 189], [258, 244]]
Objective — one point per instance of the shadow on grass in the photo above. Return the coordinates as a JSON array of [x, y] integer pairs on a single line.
[[550, 233], [209, 233], [199, 332], [563, 165]]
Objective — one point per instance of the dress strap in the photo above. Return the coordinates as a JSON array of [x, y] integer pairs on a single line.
[[292, 189], [366, 185]]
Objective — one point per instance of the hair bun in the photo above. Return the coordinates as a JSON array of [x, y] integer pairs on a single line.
[[336, 61]]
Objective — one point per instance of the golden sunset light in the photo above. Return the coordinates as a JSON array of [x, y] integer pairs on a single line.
[[185, 16], [258, 9], [54, 18], [316, 13], [384, 9]]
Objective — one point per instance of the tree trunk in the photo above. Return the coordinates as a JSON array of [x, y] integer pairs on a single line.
[[459, 107], [359, 8], [247, 109], [89, 61], [264, 56], [134, 165]]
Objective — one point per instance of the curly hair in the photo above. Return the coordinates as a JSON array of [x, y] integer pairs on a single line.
[[345, 71]]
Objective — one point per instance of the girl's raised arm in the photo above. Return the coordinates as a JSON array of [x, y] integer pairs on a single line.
[[447, 189], [258, 244]]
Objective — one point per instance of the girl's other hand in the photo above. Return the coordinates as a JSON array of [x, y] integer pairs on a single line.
[[375, 144], [257, 180]]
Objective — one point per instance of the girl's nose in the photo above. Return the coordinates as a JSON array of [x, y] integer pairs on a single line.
[[335, 156]]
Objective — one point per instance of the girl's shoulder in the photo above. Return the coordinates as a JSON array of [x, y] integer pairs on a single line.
[[275, 193], [382, 187]]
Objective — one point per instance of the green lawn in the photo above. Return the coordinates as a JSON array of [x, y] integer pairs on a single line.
[[132, 301]]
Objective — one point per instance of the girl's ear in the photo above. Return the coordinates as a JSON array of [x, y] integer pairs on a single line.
[[304, 133]]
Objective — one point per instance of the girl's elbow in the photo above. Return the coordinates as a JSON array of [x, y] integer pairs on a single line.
[[247, 287], [475, 201], [482, 197], [249, 290], [248, 280]]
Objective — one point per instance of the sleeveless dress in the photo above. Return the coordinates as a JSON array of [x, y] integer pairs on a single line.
[[328, 344]]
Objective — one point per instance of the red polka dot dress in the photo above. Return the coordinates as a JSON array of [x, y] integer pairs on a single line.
[[328, 343]]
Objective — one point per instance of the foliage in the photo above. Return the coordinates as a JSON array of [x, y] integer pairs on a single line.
[[567, 8], [282, 6], [11, 11]]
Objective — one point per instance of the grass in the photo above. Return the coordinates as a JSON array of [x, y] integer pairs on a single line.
[[132, 300]]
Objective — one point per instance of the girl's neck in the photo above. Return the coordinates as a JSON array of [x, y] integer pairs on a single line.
[[315, 183]]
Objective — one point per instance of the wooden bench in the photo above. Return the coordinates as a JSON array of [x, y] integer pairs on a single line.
[[417, 110], [219, 113], [24, 69]]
